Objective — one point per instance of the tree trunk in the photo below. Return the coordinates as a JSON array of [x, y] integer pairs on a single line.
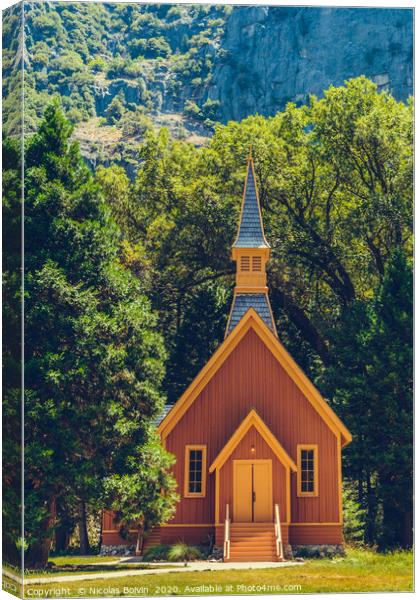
[[82, 526], [100, 530], [62, 538], [408, 530], [36, 557], [140, 541], [371, 511], [38, 553], [11, 555], [302, 322]]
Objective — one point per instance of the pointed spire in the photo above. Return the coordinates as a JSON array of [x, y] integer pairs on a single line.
[[251, 229], [250, 251]]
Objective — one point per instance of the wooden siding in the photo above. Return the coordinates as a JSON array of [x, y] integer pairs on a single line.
[[190, 535], [315, 534], [252, 378], [243, 451], [108, 521]]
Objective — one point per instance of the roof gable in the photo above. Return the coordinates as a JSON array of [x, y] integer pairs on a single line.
[[251, 319], [253, 420]]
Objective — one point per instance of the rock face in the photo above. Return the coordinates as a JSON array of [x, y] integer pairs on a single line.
[[272, 55]]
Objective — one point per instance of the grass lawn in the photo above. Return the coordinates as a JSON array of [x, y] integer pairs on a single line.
[[82, 560], [83, 570], [359, 571]]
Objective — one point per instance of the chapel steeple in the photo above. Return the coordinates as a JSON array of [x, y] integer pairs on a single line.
[[251, 252]]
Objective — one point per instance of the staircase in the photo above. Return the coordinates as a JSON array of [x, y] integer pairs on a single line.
[[252, 542]]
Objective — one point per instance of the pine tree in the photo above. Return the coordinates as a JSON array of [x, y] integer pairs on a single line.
[[391, 372], [370, 384], [93, 357]]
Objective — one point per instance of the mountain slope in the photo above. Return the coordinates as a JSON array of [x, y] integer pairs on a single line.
[[123, 69]]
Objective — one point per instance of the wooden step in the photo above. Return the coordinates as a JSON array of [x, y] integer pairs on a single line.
[[254, 557], [252, 538], [251, 525], [252, 542]]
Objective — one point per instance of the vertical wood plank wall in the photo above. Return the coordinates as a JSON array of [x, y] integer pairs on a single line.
[[252, 378]]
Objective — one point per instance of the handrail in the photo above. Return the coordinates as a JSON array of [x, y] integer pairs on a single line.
[[226, 545], [277, 529]]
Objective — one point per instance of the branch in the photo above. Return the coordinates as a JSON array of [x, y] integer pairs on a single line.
[[303, 323]]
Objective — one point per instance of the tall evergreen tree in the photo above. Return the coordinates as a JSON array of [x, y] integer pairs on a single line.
[[372, 383], [12, 351], [391, 376], [93, 357]]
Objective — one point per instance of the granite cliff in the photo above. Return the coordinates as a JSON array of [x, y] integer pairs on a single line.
[[270, 56]]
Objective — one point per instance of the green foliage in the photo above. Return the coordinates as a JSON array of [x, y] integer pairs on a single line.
[[192, 110], [372, 382], [150, 48], [181, 552], [125, 68], [115, 110], [12, 349], [211, 109], [136, 123], [136, 494], [94, 360], [90, 40], [159, 552], [354, 516]]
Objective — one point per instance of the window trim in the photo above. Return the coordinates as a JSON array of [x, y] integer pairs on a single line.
[[187, 493], [301, 447]]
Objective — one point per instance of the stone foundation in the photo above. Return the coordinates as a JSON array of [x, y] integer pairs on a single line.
[[118, 550], [216, 554], [318, 550], [287, 551]]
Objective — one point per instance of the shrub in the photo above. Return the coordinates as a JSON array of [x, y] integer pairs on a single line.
[[211, 109], [97, 64], [115, 111], [157, 553], [150, 48], [181, 551], [136, 123], [192, 110]]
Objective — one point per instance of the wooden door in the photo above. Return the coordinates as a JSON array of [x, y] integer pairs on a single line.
[[263, 494], [242, 491], [252, 491]]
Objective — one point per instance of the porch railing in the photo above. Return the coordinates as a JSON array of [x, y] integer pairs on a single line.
[[226, 544], [277, 529]]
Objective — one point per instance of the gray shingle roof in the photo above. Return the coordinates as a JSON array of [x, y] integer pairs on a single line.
[[242, 302], [251, 232], [165, 411]]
